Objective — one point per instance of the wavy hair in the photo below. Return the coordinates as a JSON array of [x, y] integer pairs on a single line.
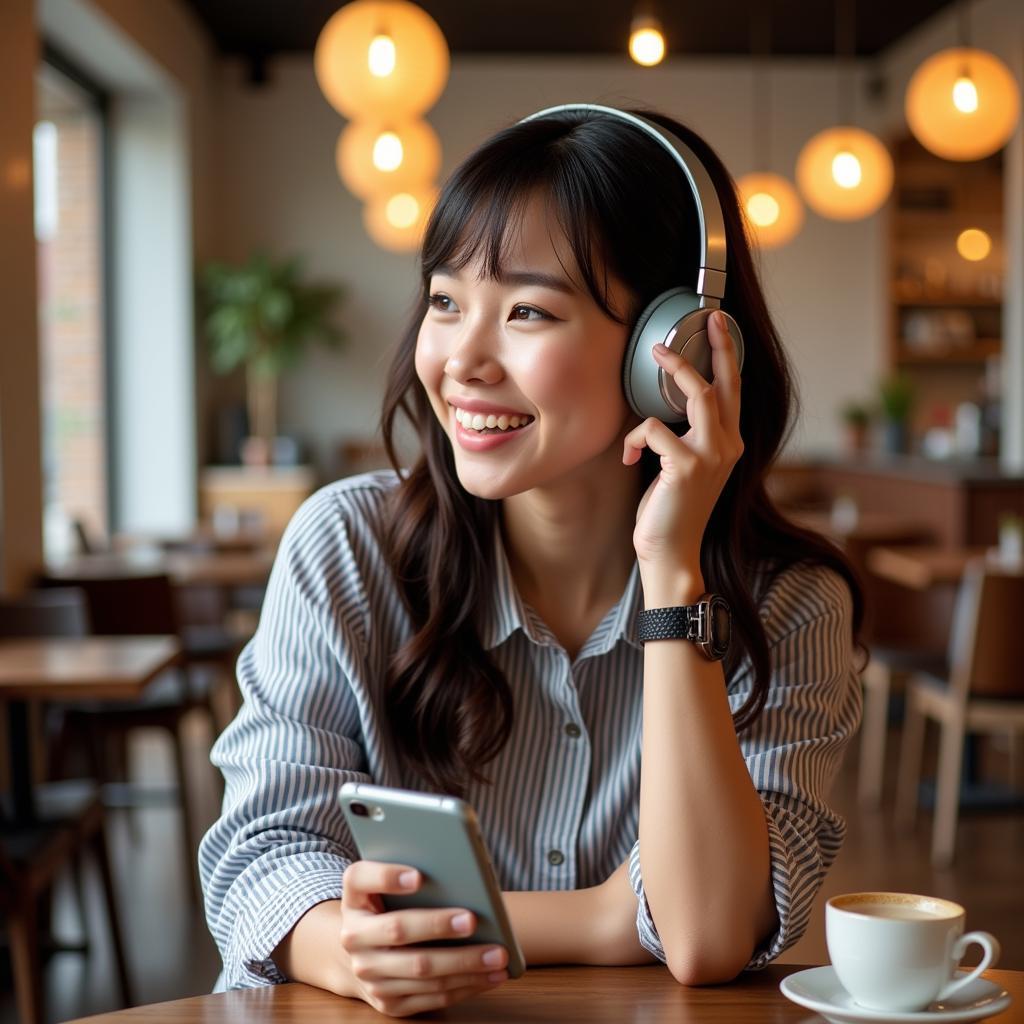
[[624, 207]]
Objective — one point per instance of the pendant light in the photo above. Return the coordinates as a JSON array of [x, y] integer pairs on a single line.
[[772, 209], [962, 103], [396, 221], [646, 37], [375, 158], [381, 59], [845, 173]]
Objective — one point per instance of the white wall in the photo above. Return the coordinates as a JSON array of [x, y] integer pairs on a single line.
[[280, 190]]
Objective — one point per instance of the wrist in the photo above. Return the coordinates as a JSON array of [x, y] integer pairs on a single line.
[[671, 589]]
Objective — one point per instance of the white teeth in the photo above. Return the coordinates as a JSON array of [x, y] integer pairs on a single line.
[[477, 421]]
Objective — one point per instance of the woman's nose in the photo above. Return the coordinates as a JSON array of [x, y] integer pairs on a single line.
[[473, 359]]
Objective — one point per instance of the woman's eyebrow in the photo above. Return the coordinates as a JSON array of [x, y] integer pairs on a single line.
[[534, 277]]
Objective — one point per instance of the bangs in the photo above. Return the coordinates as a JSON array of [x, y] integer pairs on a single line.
[[480, 213]]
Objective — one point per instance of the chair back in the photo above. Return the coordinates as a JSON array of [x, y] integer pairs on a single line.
[[987, 640], [129, 605], [59, 612]]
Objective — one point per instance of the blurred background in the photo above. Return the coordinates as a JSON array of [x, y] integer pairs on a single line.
[[210, 213]]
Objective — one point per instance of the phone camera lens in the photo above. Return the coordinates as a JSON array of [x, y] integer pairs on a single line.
[[358, 809]]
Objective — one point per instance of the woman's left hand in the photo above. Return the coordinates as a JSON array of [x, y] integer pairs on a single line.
[[673, 514]]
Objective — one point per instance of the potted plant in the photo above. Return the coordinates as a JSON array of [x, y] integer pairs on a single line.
[[856, 417], [896, 397], [263, 316]]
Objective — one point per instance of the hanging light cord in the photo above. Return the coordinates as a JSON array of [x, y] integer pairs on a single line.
[[963, 20], [846, 50], [760, 47]]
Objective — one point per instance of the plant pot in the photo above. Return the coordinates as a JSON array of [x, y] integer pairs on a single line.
[[895, 437], [856, 435], [256, 451]]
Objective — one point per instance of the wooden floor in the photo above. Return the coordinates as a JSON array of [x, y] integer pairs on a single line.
[[171, 954]]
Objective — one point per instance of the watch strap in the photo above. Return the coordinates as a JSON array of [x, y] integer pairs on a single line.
[[681, 622]]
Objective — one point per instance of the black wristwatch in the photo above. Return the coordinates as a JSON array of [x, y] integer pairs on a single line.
[[708, 624]]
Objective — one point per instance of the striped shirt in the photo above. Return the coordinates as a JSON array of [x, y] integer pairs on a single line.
[[562, 809]]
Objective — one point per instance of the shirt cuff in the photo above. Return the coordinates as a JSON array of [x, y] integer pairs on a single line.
[[645, 929], [797, 869], [291, 891]]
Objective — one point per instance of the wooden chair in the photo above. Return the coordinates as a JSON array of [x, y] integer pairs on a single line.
[[982, 693], [884, 678], [135, 605], [70, 820]]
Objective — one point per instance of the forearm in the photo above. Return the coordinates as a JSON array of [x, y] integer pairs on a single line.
[[312, 952], [704, 851], [583, 926]]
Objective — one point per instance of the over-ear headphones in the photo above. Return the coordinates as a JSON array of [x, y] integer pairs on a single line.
[[678, 317]]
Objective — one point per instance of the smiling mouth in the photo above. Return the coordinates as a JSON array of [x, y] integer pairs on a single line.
[[477, 423]]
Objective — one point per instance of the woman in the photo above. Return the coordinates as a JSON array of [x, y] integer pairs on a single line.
[[470, 625]]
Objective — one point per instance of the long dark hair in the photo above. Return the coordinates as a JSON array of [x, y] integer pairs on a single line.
[[624, 206]]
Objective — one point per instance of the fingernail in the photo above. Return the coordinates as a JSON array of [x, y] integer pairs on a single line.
[[462, 922], [407, 879], [497, 976], [493, 957], [661, 348], [721, 321]]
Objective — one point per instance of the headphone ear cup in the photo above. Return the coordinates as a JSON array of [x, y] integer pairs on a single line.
[[641, 375]]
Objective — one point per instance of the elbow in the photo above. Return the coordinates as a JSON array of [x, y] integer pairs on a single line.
[[697, 967]]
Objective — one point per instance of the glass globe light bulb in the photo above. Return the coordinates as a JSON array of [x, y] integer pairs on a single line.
[[965, 95], [846, 171], [381, 56], [388, 152], [763, 209]]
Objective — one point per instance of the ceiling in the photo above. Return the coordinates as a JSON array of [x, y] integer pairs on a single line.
[[258, 29]]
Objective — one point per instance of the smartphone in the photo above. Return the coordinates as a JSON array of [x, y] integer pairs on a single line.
[[440, 837]]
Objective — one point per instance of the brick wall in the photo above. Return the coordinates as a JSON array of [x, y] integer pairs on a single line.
[[71, 326]]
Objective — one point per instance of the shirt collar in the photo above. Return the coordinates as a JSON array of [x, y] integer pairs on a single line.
[[505, 612]]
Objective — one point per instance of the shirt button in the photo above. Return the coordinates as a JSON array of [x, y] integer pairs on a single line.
[[556, 857], [573, 730]]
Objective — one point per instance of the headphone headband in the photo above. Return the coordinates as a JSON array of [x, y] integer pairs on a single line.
[[711, 264]]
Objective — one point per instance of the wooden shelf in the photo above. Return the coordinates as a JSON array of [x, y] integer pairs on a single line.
[[902, 297], [975, 353]]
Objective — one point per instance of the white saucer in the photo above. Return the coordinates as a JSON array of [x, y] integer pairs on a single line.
[[819, 989]]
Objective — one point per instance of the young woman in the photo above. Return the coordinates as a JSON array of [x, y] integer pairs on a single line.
[[470, 625]]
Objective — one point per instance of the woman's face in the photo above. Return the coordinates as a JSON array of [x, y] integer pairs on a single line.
[[532, 347]]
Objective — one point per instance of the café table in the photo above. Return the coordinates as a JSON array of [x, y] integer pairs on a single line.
[[922, 566], [185, 568], [545, 995], [72, 669]]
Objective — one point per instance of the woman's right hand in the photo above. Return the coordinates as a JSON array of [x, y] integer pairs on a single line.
[[384, 963]]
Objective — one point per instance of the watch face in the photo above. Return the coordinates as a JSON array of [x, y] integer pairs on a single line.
[[721, 627]]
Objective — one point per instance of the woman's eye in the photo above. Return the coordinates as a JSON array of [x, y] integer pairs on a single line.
[[521, 312], [441, 302]]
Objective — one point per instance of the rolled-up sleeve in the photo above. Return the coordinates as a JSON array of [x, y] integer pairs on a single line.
[[281, 845], [794, 750]]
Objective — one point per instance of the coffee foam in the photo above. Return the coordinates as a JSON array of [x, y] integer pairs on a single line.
[[864, 902]]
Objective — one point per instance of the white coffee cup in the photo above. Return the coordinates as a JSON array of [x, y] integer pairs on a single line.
[[898, 951]]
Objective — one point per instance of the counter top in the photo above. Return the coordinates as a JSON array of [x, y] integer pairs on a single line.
[[986, 471]]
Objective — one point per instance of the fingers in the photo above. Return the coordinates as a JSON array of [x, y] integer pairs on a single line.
[[406, 1006], [364, 879], [406, 927], [726, 369], [427, 964], [701, 400], [654, 434]]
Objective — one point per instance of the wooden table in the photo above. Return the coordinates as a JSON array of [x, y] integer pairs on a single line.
[[546, 995], [919, 567], [64, 668], [185, 568], [866, 529]]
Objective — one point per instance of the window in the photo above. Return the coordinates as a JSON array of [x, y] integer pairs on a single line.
[[69, 222]]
